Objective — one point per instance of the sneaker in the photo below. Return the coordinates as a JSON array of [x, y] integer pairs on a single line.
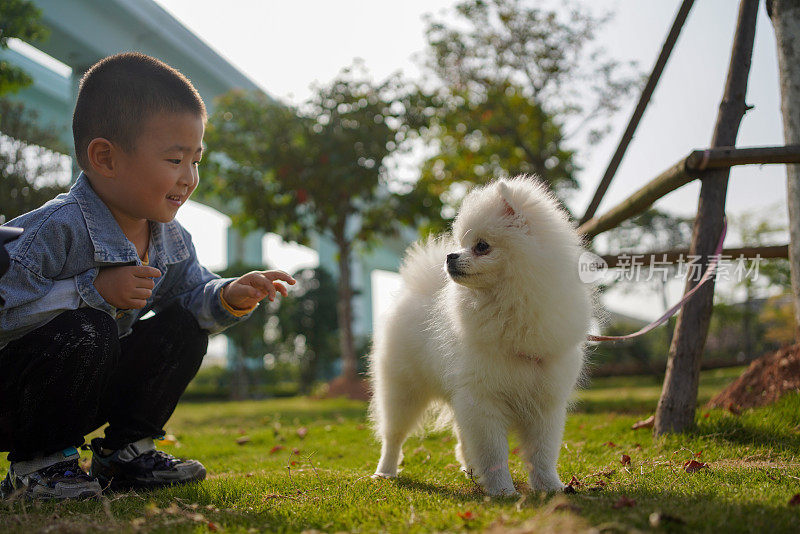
[[57, 476], [140, 465]]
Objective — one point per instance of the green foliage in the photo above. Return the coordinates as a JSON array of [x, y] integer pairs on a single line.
[[299, 334], [32, 165], [319, 168], [31, 168], [507, 80], [305, 464], [18, 19], [308, 324]]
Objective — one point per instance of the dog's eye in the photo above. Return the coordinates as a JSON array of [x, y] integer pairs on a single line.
[[481, 248]]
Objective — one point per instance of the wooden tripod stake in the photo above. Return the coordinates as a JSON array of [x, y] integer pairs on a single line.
[[676, 407]]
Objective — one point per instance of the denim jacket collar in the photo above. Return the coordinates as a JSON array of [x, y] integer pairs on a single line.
[[110, 243]]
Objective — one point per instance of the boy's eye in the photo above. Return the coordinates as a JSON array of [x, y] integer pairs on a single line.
[[175, 161]]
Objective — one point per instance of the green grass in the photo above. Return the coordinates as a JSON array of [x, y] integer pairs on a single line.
[[279, 481]]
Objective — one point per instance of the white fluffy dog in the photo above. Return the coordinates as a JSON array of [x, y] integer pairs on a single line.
[[490, 324]]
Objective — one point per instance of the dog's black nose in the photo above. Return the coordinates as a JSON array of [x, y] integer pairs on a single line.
[[451, 258]]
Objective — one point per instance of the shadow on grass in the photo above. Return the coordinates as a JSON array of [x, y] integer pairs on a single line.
[[693, 511], [776, 426], [459, 493]]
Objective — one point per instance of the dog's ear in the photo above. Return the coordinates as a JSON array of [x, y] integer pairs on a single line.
[[509, 208]]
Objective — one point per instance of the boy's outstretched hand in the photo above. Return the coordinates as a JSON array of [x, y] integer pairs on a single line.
[[249, 289], [128, 287]]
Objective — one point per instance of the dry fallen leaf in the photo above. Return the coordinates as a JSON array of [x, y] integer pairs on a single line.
[[610, 444], [795, 500], [212, 526], [301, 432], [625, 459], [644, 423], [692, 466], [242, 440], [624, 502], [276, 448], [735, 410], [466, 516]]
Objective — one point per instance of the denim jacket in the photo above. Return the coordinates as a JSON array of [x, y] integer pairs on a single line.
[[55, 261]]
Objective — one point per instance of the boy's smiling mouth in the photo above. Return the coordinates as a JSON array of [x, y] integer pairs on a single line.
[[176, 199]]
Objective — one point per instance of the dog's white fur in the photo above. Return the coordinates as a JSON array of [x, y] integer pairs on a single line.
[[500, 345]]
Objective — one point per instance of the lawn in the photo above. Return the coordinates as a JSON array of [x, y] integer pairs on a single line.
[[289, 465]]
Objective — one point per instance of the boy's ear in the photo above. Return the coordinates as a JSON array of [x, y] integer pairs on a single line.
[[100, 154]]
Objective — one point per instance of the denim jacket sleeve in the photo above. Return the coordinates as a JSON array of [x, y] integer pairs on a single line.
[[198, 290], [41, 282]]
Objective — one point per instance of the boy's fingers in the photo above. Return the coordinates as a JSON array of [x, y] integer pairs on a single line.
[[141, 293], [281, 288], [281, 275], [137, 304], [270, 291], [145, 271], [144, 283]]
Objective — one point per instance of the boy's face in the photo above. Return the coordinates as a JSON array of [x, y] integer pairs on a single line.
[[152, 181]]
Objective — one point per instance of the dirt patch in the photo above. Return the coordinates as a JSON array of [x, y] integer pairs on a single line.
[[766, 380], [357, 389]]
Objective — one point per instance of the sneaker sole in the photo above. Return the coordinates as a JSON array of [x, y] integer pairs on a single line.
[[114, 484]]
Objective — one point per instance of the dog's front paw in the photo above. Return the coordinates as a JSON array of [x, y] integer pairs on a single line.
[[386, 476]]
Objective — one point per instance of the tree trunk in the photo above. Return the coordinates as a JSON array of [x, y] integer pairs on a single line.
[[344, 308], [676, 407], [785, 15]]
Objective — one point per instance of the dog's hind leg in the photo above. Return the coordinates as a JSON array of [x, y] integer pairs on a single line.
[[397, 410]]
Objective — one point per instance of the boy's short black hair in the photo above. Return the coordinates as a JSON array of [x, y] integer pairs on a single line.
[[119, 93]]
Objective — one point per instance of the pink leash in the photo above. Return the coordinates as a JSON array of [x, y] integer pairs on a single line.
[[712, 267]]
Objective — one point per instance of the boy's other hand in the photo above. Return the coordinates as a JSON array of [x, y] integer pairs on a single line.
[[249, 289], [128, 287]]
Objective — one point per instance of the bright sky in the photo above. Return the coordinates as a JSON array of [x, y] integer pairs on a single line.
[[287, 46]]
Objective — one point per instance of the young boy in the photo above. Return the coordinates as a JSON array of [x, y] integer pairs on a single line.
[[75, 350]]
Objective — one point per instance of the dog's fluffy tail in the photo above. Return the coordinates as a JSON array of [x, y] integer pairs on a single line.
[[423, 267]]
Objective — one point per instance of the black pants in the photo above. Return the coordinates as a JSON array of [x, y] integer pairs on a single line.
[[72, 375]]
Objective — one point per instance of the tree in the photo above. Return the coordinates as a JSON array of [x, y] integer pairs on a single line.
[[247, 337], [18, 19], [505, 81], [308, 324], [317, 169], [31, 161]]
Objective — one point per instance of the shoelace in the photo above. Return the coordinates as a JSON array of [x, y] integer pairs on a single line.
[[68, 469], [159, 459]]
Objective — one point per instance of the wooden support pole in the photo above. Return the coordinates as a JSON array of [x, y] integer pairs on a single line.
[[676, 407], [727, 156], [785, 15], [683, 172], [644, 99], [675, 255]]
